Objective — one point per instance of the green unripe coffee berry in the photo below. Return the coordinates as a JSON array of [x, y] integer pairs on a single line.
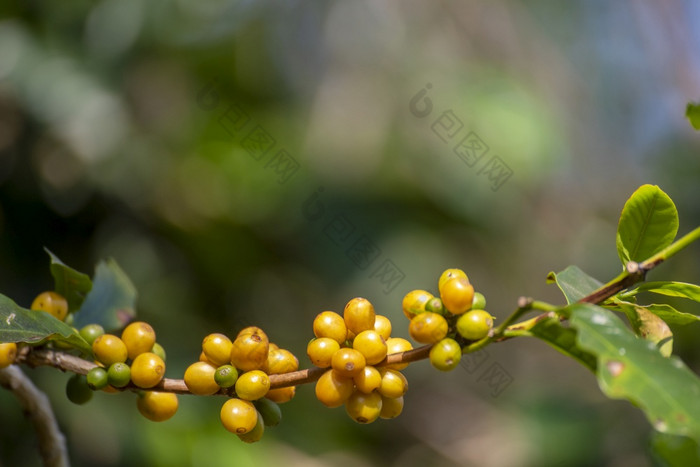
[[119, 374], [77, 390], [97, 378], [479, 301], [445, 355], [270, 411], [158, 350], [256, 434], [226, 376], [90, 332], [474, 324], [435, 305]]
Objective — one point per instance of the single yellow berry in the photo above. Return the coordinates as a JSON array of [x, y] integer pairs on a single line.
[[252, 385], [368, 380], [391, 407], [147, 370], [371, 345], [109, 349], [139, 337], [450, 274], [238, 416], [382, 325], [250, 349], [428, 328], [457, 295], [364, 408], [281, 395], [280, 361], [397, 345], [8, 354], [348, 362], [332, 389], [359, 315], [394, 384], [157, 406], [414, 302], [52, 303], [330, 324], [217, 349], [199, 378], [475, 324], [321, 351]]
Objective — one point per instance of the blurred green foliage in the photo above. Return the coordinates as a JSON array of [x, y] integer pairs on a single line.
[[107, 149]]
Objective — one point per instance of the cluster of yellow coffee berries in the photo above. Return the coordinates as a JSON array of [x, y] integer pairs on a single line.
[[243, 365], [350, 346], [457, 312]]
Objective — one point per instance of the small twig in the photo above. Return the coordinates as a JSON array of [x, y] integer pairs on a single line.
[[52, 443]]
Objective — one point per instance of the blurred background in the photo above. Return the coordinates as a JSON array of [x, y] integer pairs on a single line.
[[260, 162]]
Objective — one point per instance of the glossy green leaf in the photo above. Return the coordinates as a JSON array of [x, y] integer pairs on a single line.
[[668, 288], [564, 340], [631, 368], [112, 301], [648, 224], [68, 282], [666, 312], [574, 283], [674, 451], [692, 113], [18, 324]]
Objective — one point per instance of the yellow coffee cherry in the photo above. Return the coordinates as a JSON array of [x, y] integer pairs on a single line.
[[368, 380], [391, 407], [216, 348], [8, 354], [382, 325], [414, 302], [359, 315], [321, 351], [252, 385], [330, 324], [428, 328], [280, 361], [397, 345], [332, 389], [457, 295], [147, 370], [348, 362], [394, 384], [364, 408], [157, 406], [250, 349], [238, 416], [281, 395], [371, 345], [448, 274], [52, 303], [139, 337], [109, 349], [256, 434], [199, 378]]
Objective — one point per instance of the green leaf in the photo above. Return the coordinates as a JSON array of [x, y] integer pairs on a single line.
[[633, 369], [71, 284], [674, 451], [648, 224], [692, 112], [668, 288], [18, 324], [574, 283], [663, 311], [111, 302], [564, 340]]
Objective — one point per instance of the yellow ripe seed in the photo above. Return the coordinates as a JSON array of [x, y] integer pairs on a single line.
[[457, 295], [52, 303], [391, 407], [359, 315], [238, 416], [382, 325], [281, 395], [448, 274], [250, 349], [109, 349], [364, 408], [321, 351], [428, 328], [280, 361], [8, 354], [217, 349], [138, 337], [348, 362], [394, 384], [147, 370], [414, 302], [157, 406], [330, 324], [369, 380], [397, 345], [199, 378], [371, 345], [332, 389], [252, 385]]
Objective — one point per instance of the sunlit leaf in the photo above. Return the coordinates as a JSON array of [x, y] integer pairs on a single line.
[[674, 451], [649, 223], [631, 368], [18, 324], [68, 282], [574, 283], [668, 288]]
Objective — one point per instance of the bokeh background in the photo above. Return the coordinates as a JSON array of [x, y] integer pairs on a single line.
[[259, 162]]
